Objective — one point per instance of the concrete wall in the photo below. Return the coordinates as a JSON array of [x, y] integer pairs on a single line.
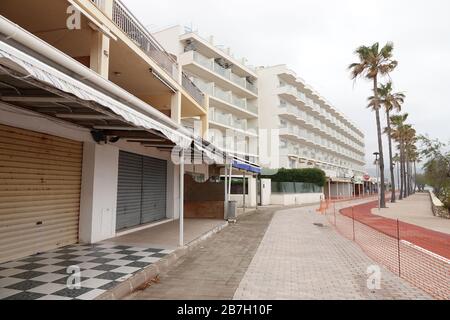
[[203, 200], [296, 199]]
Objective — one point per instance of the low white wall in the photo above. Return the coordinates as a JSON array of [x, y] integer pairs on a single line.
[[239, 200], [296, 198]]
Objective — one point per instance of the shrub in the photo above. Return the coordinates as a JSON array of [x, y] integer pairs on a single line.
[[308, 175]]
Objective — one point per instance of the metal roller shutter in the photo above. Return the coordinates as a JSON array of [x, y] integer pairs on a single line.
[[129, 190], [40, 183], [141, 190], [154, 190]]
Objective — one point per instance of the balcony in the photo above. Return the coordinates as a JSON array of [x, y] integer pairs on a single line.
[[137, 33], [225, 77], [289, 110]]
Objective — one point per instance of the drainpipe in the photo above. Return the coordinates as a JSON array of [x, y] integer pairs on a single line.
[[181, 198]]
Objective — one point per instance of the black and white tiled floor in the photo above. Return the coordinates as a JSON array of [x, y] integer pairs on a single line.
[[45, 276]]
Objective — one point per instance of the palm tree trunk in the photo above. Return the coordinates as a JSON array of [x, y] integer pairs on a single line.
[[402, 148], [415, 176], [380, 144], [408, 184], [399, 181], [391, 163]]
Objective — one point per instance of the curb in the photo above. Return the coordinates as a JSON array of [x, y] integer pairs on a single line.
[[151, 272]]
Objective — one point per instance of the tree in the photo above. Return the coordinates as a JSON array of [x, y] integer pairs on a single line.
[[398, 135], [436, 156], [391, 101], [410, 140], [374, 62]]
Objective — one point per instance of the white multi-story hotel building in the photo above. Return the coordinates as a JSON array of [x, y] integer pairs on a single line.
[[311, 132], [230, 84]]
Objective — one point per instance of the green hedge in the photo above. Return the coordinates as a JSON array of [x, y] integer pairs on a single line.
[[309, 175]]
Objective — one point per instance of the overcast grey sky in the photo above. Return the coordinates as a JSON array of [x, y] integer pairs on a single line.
[[317, 39]]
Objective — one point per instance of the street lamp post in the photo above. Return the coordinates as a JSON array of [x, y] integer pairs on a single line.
[[376, 154]]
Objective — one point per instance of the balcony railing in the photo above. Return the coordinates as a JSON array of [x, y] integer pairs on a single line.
[[193, 90], [127, 22]]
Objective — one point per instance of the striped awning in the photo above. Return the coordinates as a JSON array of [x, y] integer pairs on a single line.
[[25, 66]]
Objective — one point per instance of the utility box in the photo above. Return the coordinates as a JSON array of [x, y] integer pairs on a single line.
[[232, 210]]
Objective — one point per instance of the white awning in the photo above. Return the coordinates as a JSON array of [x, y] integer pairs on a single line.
[[28, 66]]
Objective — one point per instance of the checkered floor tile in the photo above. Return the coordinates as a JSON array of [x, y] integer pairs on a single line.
[[50, 275]]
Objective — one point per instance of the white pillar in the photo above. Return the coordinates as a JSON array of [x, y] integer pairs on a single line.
[[182, 198], [98, 201]]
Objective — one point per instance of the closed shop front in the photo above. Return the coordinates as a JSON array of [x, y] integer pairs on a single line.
[[141, 195], [40, 183]]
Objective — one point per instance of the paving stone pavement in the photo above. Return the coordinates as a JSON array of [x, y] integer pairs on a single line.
[[294, 259], [300, 260], [215, 269]]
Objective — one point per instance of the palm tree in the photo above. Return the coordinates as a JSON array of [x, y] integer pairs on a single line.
[[374, 62], [410, 139], [390, 101], [398, 134]]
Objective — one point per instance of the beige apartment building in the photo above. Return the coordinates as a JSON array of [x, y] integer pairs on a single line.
[[310, 132], [90, 116], [232, 87]]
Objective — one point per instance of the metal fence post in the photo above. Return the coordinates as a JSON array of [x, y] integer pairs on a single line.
[[398, 247], [334, 210], [353, 221]]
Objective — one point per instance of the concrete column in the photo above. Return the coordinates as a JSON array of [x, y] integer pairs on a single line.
[[205, 118], [98, 201], [107, 7], [173, 190], [175, 107], [99, 55]]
